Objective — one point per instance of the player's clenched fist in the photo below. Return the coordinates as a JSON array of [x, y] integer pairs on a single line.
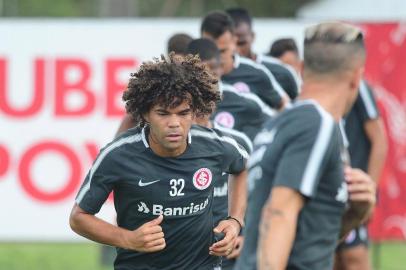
[[361, 190], [147, 238]]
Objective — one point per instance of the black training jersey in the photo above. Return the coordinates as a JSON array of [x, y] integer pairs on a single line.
[[244, 112], [300, 149], [220, 203], [363, 110], [248, 76], [285, 75], [180, 188]]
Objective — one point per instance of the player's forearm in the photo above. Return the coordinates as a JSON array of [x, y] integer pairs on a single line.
[[277, 232], [93, 228], [376, 134], [237, 195], [377, 157]]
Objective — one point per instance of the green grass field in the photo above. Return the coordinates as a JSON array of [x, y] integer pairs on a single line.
[[46, 256]]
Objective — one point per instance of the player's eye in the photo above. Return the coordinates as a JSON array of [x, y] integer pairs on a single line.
[[241, 42], [184, 113]]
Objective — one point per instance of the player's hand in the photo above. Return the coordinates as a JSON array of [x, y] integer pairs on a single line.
[[239, 241], [231, 229], [361, 189], [147, 238]]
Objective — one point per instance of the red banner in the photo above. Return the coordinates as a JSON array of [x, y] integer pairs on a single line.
[[386, 71]]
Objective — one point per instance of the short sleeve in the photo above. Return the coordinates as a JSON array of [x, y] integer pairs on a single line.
[[234, 155], [98, 183], [268, 90], [366, 103], [304, 157]]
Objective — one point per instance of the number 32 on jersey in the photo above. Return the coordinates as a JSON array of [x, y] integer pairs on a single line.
[[177, 186]]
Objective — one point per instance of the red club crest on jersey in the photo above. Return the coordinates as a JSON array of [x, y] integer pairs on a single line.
[[225, 119], [202, 178], [242, 87]]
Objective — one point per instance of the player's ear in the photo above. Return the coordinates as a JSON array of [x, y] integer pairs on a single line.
[[301, 68], [356, 78], [145, 117]]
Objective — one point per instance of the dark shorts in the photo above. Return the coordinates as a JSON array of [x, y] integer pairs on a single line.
[[356, 237], [227, 264]]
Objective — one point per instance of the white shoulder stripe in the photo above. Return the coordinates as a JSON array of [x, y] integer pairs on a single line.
[[367, 100], [264, 108], [251, 96], [273, 60], [277, 87], [103, 154], [236, 133], [343, 134], [318, 152], [213, 135]]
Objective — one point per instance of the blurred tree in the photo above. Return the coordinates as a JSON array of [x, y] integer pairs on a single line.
[[144, 8]]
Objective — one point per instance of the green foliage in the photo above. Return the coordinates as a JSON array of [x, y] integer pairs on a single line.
[[144, 8]]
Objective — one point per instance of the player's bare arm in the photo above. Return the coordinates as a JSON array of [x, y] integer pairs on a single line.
[[231, 227], [362, 197], [375, 132], [237, 203], [278, 227], [147, 238]]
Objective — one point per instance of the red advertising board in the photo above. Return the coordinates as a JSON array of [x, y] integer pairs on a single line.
[[386, 71]]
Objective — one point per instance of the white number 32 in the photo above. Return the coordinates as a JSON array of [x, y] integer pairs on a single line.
[[177, 186]]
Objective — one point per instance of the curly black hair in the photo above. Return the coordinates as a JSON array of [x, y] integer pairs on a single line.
[[169, 82]]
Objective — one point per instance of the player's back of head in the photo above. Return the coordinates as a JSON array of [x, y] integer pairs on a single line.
[[216, 23], [205, 48], [178, 43], [332, 48]]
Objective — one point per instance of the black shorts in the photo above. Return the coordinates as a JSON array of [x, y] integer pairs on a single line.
[[228, 264], [357, 237]]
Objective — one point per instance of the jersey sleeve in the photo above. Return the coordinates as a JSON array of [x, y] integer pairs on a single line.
[[284, 77], [270, 91], [98, 184], [366, 103], [305, 155], [234, 155], [265, 109]]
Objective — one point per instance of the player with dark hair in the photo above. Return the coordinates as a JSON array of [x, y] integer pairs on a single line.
[[285, 49], [162, 174], [244, 74], [242, 108], [368, 148], [244, 112], [284, 75], [299, 187], [178, 43]]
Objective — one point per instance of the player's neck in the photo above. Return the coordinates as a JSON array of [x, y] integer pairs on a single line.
[[330, 97], [203, 121], [253, 56]]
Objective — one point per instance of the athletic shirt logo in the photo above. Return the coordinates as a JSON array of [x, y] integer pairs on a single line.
[[225, 119], [242, 87], [202, 178]]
